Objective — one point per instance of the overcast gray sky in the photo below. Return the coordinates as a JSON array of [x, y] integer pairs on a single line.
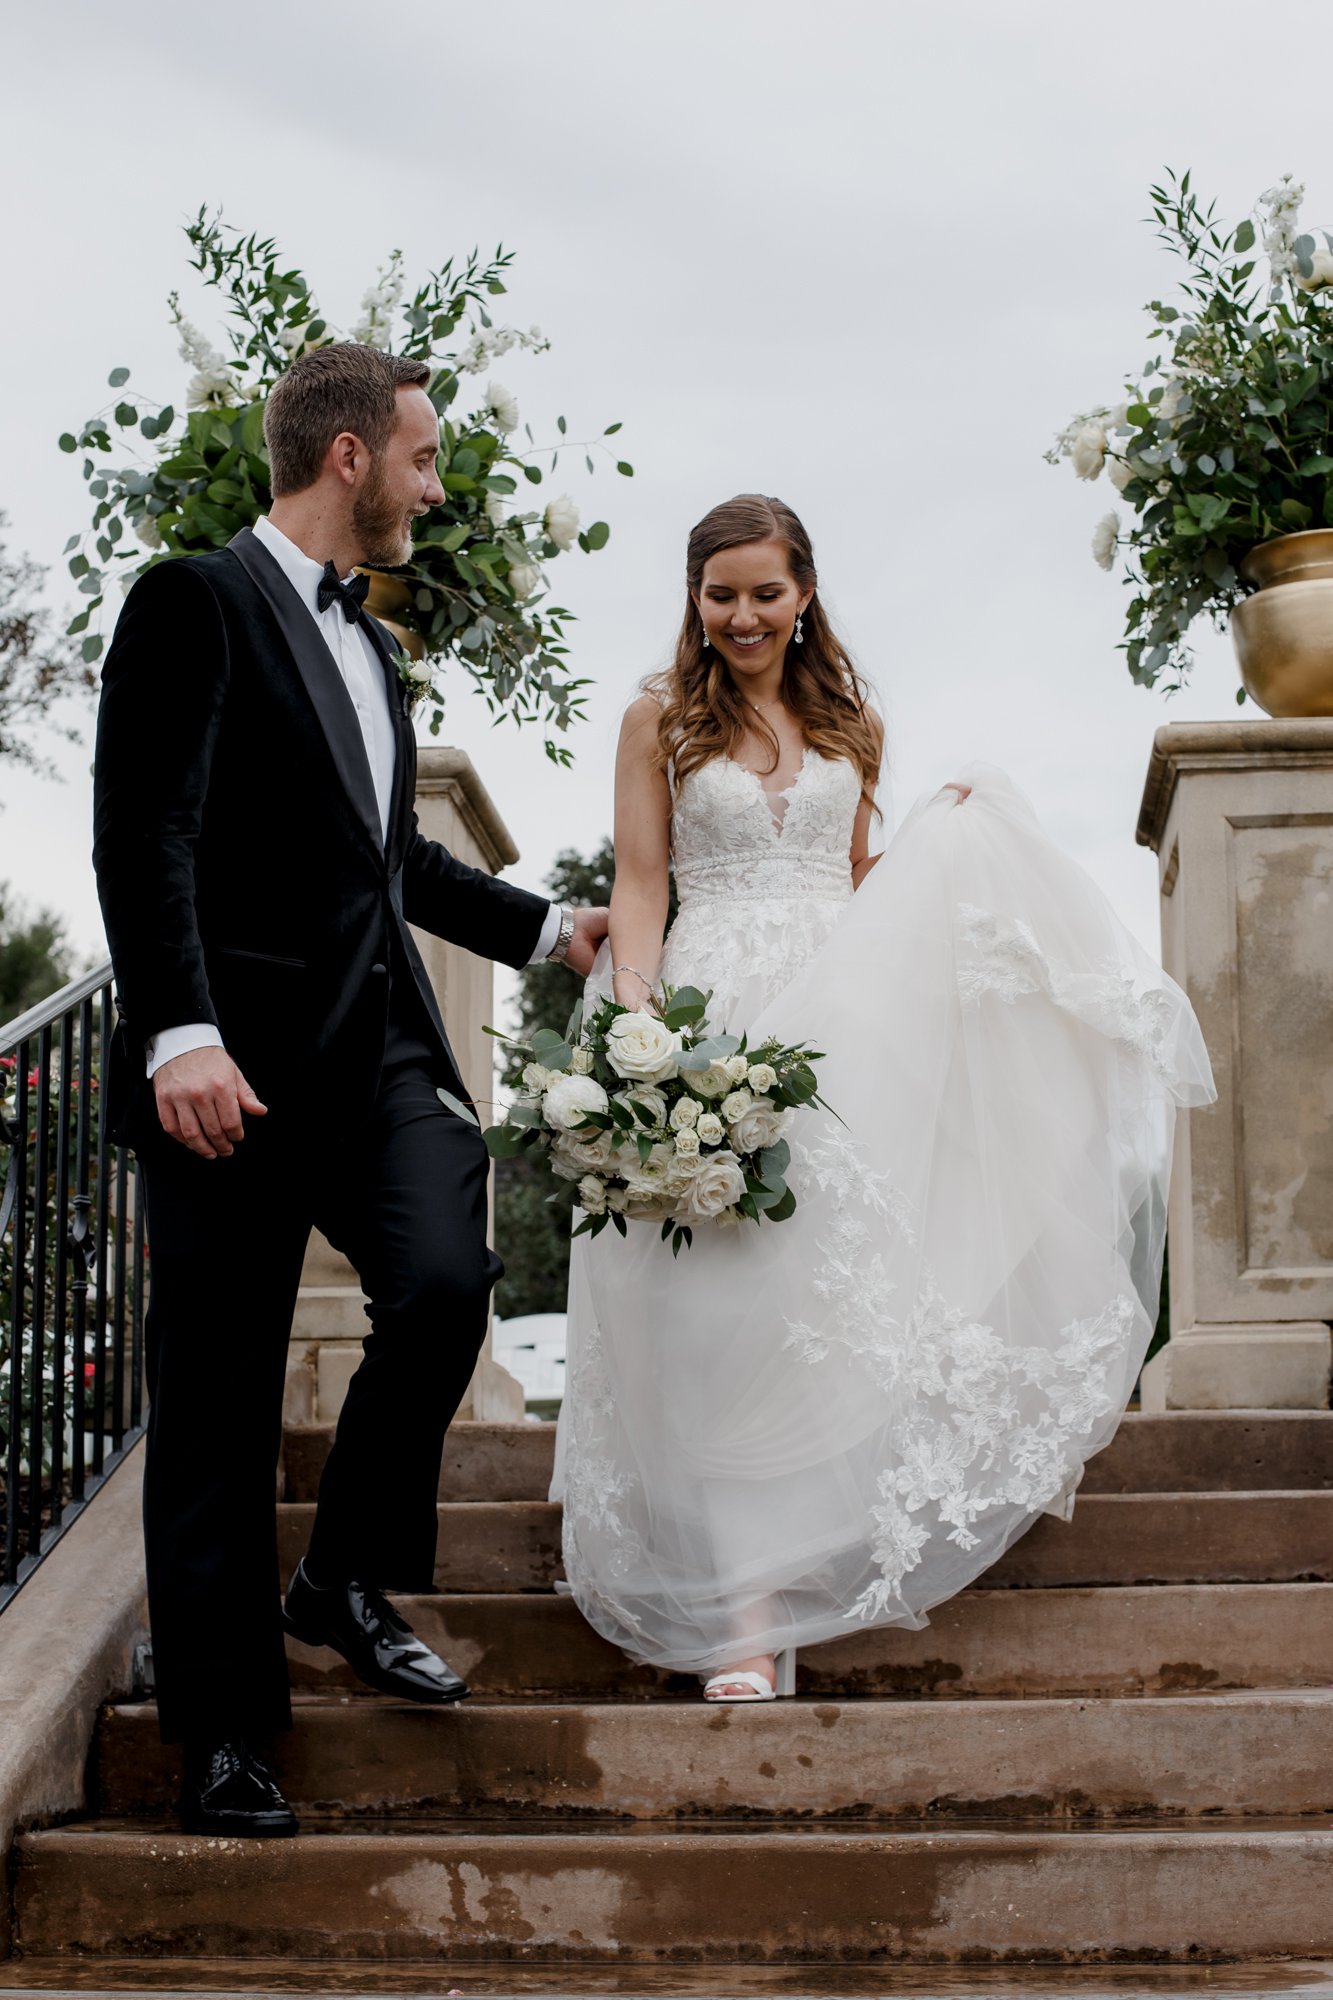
[[865, 256]]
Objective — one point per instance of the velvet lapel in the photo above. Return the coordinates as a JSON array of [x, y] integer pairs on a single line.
[[323, 682], [404, 742]]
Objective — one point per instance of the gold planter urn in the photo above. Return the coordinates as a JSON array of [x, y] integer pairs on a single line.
[[387, 599], [1283, 635]]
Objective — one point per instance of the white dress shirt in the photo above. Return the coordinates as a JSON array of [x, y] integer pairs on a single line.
[[362, 673]]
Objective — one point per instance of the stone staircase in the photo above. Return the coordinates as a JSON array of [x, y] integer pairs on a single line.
[[1118, 1748]]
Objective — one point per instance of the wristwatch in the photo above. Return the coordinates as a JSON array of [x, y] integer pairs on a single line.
[[559, 951]]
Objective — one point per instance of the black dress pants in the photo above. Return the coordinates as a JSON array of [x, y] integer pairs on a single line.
[[404, 1197]]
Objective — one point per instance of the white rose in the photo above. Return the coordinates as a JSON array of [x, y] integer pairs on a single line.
[[687, 1144], [761, 1078], [147, 530], [1087, 454], [497, 509], [1320, 276], [718, 1183], [581, 1062], [711, 1130], [617, 1200], [1119, 471], [762, 1125], [524, 578], [538, 1078], [562, 522], [710, 1082], [737, 1067], [1105, 536], [573, 1157], [502, 406], [570, 1099], [736, 1105], [642, 1047], [651, 1100], [684, 1112], [420, 674], [591, 1195]]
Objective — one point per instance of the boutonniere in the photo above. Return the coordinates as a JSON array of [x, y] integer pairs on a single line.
[[418, 678]]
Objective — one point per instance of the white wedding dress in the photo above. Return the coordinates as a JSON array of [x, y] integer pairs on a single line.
[[843, 1419]]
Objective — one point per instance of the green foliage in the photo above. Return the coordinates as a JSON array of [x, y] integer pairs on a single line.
[[1227, 440], [38, 669], [34, 957], [477, 583]]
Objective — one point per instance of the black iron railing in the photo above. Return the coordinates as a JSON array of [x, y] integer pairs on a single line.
[[72, 1275]]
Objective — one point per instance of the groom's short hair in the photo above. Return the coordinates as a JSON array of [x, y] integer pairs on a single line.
[[342, 387]]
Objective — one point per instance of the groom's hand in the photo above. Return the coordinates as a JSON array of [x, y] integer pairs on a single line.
[[200, 1098], [590, 927]]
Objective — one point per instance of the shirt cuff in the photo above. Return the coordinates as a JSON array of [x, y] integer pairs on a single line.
[[546, 942], [173, 1042]]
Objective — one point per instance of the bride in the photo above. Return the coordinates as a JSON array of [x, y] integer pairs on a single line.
[[846, 1417]]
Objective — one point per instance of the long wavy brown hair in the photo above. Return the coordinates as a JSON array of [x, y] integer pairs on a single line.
[[703, 714]]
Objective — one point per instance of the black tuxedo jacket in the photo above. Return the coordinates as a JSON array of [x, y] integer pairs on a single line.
[[240, 866]]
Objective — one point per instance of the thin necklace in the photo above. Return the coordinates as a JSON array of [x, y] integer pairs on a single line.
[[766, 704]]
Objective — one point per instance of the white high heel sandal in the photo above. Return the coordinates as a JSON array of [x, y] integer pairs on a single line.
[[784, 1665]]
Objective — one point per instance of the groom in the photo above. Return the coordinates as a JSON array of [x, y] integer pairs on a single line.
[[277, 1064]]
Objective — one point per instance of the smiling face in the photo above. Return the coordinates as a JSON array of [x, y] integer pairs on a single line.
[[400, 484], [749, 603]]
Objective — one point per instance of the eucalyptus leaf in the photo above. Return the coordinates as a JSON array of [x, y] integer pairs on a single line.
[[457, 1106]]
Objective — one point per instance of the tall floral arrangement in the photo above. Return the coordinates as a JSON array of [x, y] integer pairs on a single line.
[[477, 587], [1226, 437]]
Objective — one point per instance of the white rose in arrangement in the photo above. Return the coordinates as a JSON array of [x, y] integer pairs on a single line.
[[147, 530], [761, 1078], [581, 1062], [1119, 471], [591, 1195], [1321, 274], [762, 1125], [524, 578], [582, 1155], [718, 1183], [711, 1082], [687, 1144], [737, 1068], [641, 1047], [421, 674], [684, 1112], [570, 1099], [1087, 454], [650, 1100], [562, 522], [617, 1200], [538, 1078], [736, 1105], [1105, 536], [501, 406], [211, 389], [497, 509], [711, 1130]]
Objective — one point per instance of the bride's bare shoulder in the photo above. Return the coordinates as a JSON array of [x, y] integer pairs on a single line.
[[639, 725]]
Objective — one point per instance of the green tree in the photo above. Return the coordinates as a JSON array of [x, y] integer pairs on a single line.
[[37, 668], [34, 956], [531, 1228]]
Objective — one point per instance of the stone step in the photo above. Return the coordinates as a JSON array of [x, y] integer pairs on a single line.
[[1153, 1639], [1237, 1756], [458, 1894], [1121, 1538], [1180, 1452]]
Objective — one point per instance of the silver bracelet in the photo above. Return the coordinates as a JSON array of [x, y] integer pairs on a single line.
[[559, 951], [635, 970]]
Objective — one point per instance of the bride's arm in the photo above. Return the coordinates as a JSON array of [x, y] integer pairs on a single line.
[[862, 859], [640, 897]]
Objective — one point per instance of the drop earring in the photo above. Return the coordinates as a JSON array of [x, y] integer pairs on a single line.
[[705, 633], [800, 631]]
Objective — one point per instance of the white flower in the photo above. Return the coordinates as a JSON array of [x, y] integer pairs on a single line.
[[211, 388], [524, 578], [293, 338], [194, 349], [711, 1082], [1321, 274], [642, 1047], [591, 1195], [657, 1175], [148, 532], [581, 1062], [1282, 204], [562, 522], [380, 303], [736, 1105], [501, 407], [538, 1078], [762, 1125], [684, 1113], [420, 673], [570, 1099], [711, 1130], [572, 1156], [497, 509], [1119, 471], [687, 1143], [718, 1183], [737, 1068], [1105, 536], [1087, 454], [651, 1100], [761, 1077], [617, 1200]]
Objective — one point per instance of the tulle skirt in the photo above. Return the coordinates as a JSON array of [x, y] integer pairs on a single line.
[[843, 1419]]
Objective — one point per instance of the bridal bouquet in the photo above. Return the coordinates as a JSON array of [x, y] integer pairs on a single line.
[[657, 1120]]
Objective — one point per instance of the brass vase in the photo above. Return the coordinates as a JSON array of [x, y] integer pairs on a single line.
[[1283, 635], [387, 599]]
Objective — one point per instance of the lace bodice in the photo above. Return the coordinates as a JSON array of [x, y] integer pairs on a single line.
[[759, 896]]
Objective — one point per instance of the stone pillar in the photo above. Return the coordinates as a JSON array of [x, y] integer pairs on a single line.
[[1240, 815], [453, 806]]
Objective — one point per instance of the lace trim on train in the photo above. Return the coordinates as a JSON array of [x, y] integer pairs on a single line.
[[945, 1476]]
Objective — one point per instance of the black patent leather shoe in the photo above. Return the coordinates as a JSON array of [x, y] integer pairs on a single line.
[[229, 1790], [378, 1645]]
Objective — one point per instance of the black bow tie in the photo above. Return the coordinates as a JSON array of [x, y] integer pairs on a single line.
[[351, 595]]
